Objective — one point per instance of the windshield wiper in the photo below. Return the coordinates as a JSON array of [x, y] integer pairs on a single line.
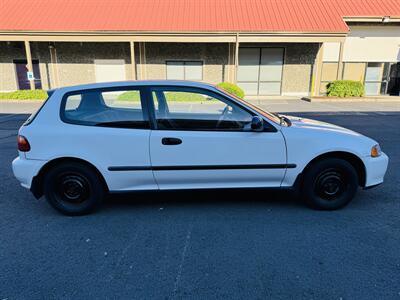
[[283, 119], [286, 120]]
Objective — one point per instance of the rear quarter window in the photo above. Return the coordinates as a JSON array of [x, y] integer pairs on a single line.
[[109, 108]]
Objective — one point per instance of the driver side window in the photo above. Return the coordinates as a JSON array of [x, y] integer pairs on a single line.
[[192, 109]]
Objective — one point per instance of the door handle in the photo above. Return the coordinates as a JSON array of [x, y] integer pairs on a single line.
[[171, 141]]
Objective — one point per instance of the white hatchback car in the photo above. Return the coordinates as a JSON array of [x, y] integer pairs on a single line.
[[90, 140]]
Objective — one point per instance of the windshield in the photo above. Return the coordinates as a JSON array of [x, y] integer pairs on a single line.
[[271, 116]]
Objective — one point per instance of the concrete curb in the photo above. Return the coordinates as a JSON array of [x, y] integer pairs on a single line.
[[355, 99], [20, 101]]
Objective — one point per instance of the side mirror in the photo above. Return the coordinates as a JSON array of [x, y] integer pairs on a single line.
[[257, 123]]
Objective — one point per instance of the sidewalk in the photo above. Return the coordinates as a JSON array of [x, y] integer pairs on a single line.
[[276, 104], [298, 105], [19, 107]]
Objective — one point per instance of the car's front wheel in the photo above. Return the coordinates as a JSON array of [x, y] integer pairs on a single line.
[[73, 188], [329, 184]]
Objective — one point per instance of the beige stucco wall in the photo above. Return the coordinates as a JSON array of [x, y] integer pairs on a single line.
[[297, 69], [16, 50], [40, 51], [214, 57], [374, 43], [354, 71], [8, 52], [75, 62]]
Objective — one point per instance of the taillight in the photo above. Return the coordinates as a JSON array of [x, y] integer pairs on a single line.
[[23, 144]]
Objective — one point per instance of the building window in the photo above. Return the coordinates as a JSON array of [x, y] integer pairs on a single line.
[[376, 79], [185, 70], [393, 86], [379, 78], [260, 70]]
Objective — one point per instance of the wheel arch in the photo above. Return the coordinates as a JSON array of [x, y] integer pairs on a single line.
[[37, 181], [352, 158]]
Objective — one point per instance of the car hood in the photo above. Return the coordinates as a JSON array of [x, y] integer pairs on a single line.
[[326, 136], [315, 125]]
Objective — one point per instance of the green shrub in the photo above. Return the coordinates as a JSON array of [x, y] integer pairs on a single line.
[[25, 95], [345, 88], [184, 97], [129, 96], [232, 88], [170, 96]]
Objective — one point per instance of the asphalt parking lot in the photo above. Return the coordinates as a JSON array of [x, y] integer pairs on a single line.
[[205, 245]]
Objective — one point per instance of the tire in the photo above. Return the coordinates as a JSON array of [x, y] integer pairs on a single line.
[[329, 184], [73, 188]]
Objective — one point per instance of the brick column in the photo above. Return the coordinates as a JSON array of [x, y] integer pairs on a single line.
[[133, 61], [340, 62], [317, 71], [236, 58]]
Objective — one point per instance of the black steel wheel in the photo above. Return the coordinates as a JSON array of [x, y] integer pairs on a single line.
[[73, 188], [329, 184]]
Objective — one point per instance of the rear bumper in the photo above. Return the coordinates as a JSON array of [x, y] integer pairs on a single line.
[[375, 168], [25, 169]]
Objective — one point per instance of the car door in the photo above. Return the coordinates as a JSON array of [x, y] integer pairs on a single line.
[[110, 129], [204, 140]]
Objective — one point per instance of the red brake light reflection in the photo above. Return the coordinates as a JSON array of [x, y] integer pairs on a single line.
[[23, 144]]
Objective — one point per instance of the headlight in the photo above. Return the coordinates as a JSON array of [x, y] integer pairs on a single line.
[[376, 151]]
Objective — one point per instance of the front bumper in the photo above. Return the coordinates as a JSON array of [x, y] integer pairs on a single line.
[[375, 168], [25, 169]]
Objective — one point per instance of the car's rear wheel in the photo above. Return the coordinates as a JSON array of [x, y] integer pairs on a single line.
[[329, 184], [73, 188]]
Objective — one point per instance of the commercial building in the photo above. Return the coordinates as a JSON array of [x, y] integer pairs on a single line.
[[268, 47]]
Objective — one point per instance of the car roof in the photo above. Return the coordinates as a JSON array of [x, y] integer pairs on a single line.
[[128, 83]]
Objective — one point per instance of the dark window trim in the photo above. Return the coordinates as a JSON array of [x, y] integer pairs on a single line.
[[202, 167], [141, 90], [267, 126], [24, 61], [150, 108]]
